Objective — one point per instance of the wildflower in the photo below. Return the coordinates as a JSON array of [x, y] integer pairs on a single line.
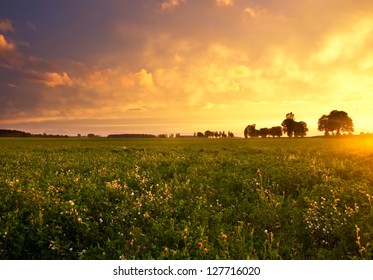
[[52, 245], [165, 249], [200, 245], [206, 250], [259, 171]]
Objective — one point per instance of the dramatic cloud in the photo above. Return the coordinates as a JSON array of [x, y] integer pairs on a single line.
[[179, 66], [50, 79]]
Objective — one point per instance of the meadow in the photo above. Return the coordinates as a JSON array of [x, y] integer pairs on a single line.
[[116, 199]]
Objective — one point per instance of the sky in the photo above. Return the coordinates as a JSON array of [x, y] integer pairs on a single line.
[[183, 66]]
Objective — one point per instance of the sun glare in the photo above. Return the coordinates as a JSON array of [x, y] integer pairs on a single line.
[[362, 143]]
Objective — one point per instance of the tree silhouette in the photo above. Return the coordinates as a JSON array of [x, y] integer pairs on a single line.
[[336, 121], [214, 134], [293, 128], [300, 129], [246, 131], [275, 131], [209, 133], [250, 131], [288, 124], [323, 124], [264, 132]]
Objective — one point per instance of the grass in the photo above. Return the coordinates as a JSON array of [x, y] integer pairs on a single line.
[[186, 198]]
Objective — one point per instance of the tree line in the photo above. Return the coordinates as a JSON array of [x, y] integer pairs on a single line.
[[332, 124], [251, 131], [18, 133], [335, 123], [288, 126], [214, 134]]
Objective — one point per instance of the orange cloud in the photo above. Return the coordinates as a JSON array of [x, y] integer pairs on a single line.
[[251, 12], [4, 45], [145, 79], [105, 90], [166, 5], [109, 81], [224, 2], [6, 25], [254, 12], [9, 56], [50, 79], [13, 59], [345, 44], [55, 79]]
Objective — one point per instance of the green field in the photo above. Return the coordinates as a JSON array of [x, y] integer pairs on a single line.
[[186, 198]]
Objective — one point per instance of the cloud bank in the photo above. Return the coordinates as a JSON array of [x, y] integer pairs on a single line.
[[227, 63]]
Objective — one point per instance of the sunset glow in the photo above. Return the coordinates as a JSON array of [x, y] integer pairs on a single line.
[[182, 66]]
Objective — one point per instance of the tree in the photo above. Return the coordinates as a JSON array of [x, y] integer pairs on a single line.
[[300, 129], [250, 131], [275, 131], [209, 133], [323, 124], [91, 135], [336, 121], [288, 124], [264, 132], [293, 128]]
